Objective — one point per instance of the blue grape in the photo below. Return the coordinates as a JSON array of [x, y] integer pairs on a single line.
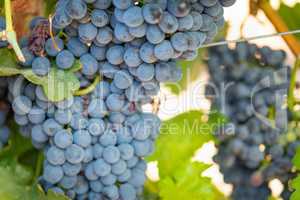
[[97, 151], [168, 23], [96, 186], [21, 120], [126, 151], [67, 103], [124, 135], [198, 21], [139, 31], [82, 138], [122, 4], [63, 139], [51, 127], [121, 32], [116, 117], [89, 172], [108, 138], [111, 154], [40, 94], [61, 19], [4, 134], [76, 47], [152, 13], [154, 35], [97, 108], [185, 23], [76, 9], [179, 8], [38, 135], [137, 178], [41, 66], [115, 54], [71, 169], [128, 192], [55, 156], [142, 148], [109, 179], [131, 57], [99, 18], [53, 174], [36, 115], [147, 53], [102, 4], [65, 59], [96, 127], [145, 72], [111, 192], [98, 52], [115, 102], [104, 36], [180, 41], [63, 116], [68, 182], [89, 64], [122, 80], [81, 186], [102, 90], [101, 168], [29, 91], [164, 50], [118, 14], [78, 122], [87, 32], [124, 176], [133, 16], [74, 154], [208, 3], [53, 47], [119, 167], [21, 105]]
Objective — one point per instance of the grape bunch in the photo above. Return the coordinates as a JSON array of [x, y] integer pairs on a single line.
[[250, 84], [95, 144]]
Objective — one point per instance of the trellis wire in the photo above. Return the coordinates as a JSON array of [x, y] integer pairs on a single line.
[[250, 38]]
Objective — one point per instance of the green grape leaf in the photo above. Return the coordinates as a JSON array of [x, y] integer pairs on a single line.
[[291, 16], [58, 84], [296, 185], [190, 72], [180, 137], [188, 183], [296, 159]]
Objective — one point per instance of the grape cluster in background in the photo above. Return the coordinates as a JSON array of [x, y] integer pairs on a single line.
[[94, 144], [256, 151]]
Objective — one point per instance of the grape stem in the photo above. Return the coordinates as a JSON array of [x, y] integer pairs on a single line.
[[280, 26], [88, 89], [291, 98], [9, 34]]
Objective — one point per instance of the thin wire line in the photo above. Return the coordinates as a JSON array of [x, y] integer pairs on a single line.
[[250, 38]]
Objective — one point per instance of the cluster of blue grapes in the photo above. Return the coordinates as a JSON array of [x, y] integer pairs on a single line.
[[95, 144], [250, 84]]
